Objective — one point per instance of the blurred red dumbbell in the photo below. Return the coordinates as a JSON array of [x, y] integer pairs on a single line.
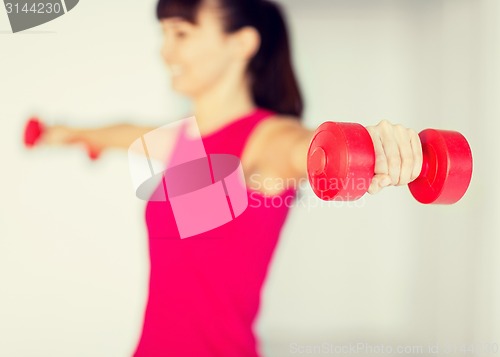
[[35, 130], [341, 164]]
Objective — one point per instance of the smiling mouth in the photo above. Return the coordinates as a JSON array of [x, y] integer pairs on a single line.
[[175, 70]]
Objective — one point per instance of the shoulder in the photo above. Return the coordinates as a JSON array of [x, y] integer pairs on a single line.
[[272, 128], [270, 134], [277, 122]]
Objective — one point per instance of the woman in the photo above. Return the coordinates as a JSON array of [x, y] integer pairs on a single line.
[[232, 58]]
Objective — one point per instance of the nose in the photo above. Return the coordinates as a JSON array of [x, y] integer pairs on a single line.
[[166, 52], [168, 48]]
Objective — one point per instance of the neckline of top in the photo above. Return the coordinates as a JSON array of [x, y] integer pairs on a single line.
[[257, 112]]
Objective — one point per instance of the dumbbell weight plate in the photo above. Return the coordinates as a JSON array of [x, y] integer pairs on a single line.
[[447, 168], [340, 161], [33, 131]]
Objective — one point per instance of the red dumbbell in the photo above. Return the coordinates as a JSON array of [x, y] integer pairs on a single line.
[[341, 164], [35, 130]]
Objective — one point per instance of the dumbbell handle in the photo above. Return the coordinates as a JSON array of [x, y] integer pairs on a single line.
[[36, 129]]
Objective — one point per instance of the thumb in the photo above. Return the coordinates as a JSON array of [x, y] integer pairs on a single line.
[[379, 181]]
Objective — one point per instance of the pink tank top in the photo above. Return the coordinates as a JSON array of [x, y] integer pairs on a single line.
[[204, 291]]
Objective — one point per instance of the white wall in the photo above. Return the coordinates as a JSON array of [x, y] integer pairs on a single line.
[[383, 270]]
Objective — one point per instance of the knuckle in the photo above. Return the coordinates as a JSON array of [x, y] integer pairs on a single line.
[[400, 128], [384, 123], [412, 133], [415, 137]]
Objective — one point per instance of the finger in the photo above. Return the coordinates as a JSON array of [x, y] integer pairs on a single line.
[[373, 189], [391, 150], [378, 183], [417, 154], [374, 186], [406, 154], [380, 159]]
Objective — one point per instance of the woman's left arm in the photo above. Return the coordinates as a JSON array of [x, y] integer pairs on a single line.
[[398, 152]]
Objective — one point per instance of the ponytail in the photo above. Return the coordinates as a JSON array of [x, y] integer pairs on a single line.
[[274, 83]]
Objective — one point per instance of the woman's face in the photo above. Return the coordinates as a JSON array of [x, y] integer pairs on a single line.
[[197, 55]]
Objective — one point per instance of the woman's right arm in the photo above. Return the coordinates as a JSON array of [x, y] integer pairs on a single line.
[[119, 136]]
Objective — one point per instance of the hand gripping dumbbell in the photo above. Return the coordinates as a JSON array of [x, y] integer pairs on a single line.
[[35, 130], [341, 164]]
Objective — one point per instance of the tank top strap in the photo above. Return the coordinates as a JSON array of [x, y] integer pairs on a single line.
[[232, 138]]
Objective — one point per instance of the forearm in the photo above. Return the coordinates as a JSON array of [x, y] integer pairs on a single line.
[[119, 136]]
